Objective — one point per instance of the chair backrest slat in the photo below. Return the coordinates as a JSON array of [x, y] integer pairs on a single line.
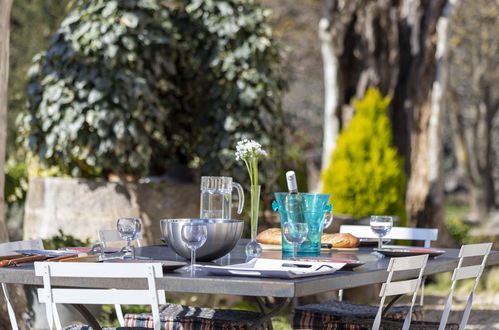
[[417, 234], [400, 287], [407, 263], [466, 272], [106, 296], [10, 247], [473, 250], [98, 270]]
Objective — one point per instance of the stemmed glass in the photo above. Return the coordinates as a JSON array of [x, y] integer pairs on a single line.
[[129, 229], [194, 235], [295, 234], [381, 225]]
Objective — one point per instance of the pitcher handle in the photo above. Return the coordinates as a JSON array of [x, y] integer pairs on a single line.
[[275, 206], [328, 218], [240, 193]]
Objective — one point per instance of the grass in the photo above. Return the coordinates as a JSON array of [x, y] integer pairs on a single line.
[[461, 231]]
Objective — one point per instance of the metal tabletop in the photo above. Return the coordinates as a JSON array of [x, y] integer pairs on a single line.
[[372, 272]]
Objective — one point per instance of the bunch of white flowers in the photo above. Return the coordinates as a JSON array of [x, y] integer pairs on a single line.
[[249, 151]]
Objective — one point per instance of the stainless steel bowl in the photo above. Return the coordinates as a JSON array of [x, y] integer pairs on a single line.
[[222, 237]]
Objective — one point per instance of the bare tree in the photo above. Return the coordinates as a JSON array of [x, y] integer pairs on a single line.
[[392, 45], [16, 292], [473, 99]]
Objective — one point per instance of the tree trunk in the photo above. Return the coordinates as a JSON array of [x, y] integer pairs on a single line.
[[480, 164], [474, 100], [17, 296], [391, 45], [331, 93]]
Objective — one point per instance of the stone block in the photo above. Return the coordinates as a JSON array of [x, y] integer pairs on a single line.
[[81, 207]]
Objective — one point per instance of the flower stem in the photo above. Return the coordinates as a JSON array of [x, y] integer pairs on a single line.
[[255, 198]]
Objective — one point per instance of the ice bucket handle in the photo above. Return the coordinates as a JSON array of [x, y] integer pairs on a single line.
[[275, 206], [328, 218]]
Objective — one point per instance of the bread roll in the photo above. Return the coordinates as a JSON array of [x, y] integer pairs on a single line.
[[340, 240], [273, 236], [270, 236]]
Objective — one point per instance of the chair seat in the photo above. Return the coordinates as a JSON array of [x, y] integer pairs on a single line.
[[179, 317], [352, 323], [343, 308], [86, 327], [341, 315]]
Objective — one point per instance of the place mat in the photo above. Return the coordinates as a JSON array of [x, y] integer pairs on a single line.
[[87, 249], [278, 247], [349, 263], [47, 253], [406, 252], [261, 267], [166, 264]]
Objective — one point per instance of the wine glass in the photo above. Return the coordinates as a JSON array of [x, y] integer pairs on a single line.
[[129, 229], [381, 225], [194, 235], [295, 234]]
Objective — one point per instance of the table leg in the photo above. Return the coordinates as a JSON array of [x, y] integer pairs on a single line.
[[88, 316], [270, 309]]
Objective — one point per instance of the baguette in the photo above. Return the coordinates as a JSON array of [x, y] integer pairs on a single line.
[[273, 236]]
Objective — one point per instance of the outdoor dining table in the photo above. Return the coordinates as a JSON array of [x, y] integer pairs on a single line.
[[372, 272]]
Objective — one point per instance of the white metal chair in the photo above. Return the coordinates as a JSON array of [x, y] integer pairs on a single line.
[[463, 272], [427, 235], [401, 287], [307, 316], [50, 296], [414, 234], [112, 235], [9, 248]]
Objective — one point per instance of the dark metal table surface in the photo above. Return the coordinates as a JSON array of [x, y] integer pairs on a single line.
[[372, 272]]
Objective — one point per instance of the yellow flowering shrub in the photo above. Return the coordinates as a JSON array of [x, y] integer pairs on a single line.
[[366, 174]]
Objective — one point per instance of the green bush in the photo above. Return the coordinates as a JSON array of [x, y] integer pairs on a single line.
[[63, 240], [16, 182], [366, 175], [136, 86]]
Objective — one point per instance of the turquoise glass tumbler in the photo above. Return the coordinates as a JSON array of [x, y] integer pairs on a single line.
[[316, 213]]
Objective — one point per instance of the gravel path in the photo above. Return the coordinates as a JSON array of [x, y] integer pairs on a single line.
[[484, 314]]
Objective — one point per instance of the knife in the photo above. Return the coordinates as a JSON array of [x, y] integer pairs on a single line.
[[91, 258], [16, 261], [62, 257], [11, 256]]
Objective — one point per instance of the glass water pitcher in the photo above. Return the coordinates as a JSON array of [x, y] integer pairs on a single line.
[[216, 197]]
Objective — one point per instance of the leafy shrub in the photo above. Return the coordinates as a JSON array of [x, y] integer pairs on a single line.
[[64, 240], [16, 181], [135, 86], [366, 175]]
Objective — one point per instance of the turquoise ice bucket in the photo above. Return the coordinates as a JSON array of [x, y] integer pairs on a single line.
[[317, 214]]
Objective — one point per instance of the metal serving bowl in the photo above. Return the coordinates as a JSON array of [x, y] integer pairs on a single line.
[[222, 237]]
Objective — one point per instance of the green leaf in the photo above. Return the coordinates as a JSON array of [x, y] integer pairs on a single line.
[[95, 95], [110, 8], [130, 20]]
